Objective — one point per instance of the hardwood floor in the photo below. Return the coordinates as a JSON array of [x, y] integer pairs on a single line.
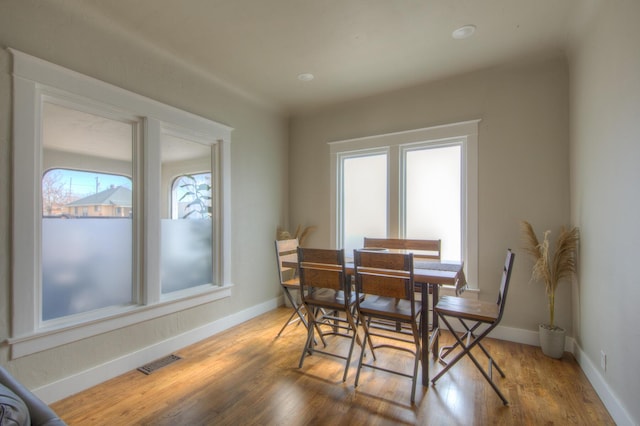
[[247, 376]]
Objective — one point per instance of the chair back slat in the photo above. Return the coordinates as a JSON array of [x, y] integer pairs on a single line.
[[384, 274], [421, 249], [286, 251], [322, 268]]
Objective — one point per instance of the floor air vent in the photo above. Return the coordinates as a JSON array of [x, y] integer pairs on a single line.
[[159, 363]]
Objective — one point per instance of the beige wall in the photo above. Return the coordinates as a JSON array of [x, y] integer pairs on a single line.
[[523, 163], [605, 146], [259, 169]]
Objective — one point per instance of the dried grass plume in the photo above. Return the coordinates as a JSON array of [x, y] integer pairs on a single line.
[[551, 267], [301, 233]]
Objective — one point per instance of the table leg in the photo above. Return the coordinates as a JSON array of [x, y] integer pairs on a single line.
[[435, 327], [424, 326]]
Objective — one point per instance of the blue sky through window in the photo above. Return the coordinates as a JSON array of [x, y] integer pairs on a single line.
[[82, 183]]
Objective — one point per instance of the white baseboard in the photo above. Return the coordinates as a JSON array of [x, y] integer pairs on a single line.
[[78, 382], [619, 413]]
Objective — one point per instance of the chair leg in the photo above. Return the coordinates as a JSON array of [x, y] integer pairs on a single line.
[[297, 311], [416, 337], [308, 346], [469, 335], [416, 354], [355, 337], [488, 377], [367, 338], [466, 350], [287, 323]]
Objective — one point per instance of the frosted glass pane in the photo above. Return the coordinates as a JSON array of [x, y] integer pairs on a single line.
[[186, 254], [433, 197], [186, 229], [365, 199], [86, 265]]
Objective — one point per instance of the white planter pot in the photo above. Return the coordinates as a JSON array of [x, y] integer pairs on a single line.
[[551, 341]]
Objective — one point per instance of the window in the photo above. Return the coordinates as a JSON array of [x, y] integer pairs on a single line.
[[433, 194], [417, 184], [86, 264], [364, 186], [69, 127], [186, 236]]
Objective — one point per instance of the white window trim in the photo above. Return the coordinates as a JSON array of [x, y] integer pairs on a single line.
[[466, 133], [34, 79]]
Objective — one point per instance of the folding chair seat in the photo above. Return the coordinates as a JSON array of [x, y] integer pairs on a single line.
[[287, 257], [326, 290], [385, 291], [478, 318]]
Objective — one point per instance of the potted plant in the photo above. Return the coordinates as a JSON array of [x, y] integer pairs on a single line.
[[551, 267]]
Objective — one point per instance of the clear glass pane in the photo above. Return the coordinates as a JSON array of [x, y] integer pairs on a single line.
[[186, 232], [365, 199], [87, 235], [433, 197], [191, 197]]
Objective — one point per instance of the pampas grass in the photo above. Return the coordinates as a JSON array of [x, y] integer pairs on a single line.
[[551, 267], [301, 233]]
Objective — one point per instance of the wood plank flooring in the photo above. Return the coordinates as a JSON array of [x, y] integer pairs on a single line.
[[247, 376]]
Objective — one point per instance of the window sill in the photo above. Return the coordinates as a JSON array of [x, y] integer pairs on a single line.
[[50, 337]]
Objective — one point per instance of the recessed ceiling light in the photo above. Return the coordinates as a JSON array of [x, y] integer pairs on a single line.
[[305, 76], [463, 32]]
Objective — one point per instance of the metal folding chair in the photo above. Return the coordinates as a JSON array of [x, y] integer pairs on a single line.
[[473, 314], [287, 256], [385, 291], [326, 290]]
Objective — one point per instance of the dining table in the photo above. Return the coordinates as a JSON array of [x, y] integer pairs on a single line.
[[428, 277]]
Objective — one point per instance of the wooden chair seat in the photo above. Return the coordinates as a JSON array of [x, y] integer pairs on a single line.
[[329, 298], [392, 308], [292, 283], [475, 310]]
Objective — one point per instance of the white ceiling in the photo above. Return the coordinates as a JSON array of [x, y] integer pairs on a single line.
[[355, 48]]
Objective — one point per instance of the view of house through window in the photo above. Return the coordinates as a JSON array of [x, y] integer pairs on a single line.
[[87, 236], [71, 193]]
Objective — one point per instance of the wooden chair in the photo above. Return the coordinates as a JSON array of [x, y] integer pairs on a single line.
[[385, 281], [326, 289], [286, 252], [472, 314], [421, 249]]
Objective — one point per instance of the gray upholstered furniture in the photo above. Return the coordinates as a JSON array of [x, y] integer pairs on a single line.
[[19, 406]]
